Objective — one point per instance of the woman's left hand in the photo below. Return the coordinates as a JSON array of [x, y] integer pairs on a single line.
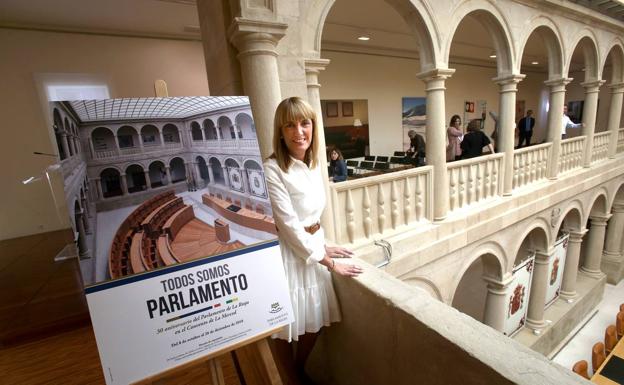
[[338, 252]]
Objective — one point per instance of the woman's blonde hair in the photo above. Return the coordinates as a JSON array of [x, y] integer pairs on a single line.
[[291, 110]]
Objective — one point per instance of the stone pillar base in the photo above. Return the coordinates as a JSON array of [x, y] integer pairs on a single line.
[[569, 297], [611, 265], [597, 274], [536, 326], [84, 255]]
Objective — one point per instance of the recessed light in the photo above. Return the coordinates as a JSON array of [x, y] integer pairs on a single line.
[[534, 63], [493, 56], [364, 38]]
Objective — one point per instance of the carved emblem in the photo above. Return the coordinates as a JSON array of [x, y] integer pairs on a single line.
[[553, 273], [554, 217], [257, 182], [529, 266], [517, 299]]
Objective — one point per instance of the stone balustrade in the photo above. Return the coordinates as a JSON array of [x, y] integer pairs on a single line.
[[600, 150], [620, 140], [373, 206], [571, 156], [530, 164], [473, 180], [106, 154]]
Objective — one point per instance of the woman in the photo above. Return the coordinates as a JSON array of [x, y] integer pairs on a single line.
[[454, 135], [297, 195], [474, 141], [337, 166]]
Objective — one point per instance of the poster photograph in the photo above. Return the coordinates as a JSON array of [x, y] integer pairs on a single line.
[[179, 253]]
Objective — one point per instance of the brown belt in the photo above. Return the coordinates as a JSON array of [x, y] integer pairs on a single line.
[[312, 228]]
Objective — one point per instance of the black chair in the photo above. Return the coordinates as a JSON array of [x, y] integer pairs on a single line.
[[382, 159], [353, 163], [396, 159], [370, 158], [381, 165], [366, 165], [350, 172], [399, 153]]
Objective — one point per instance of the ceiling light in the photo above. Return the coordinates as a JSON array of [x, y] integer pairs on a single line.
[[364, 38], [534, 63], [493, 55]]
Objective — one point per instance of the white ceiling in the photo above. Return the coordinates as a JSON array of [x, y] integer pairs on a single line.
[[152, 108]]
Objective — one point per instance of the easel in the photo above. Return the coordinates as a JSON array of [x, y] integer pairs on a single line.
[[254, 354]]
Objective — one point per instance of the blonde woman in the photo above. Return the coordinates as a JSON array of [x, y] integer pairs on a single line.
[[297, 195]]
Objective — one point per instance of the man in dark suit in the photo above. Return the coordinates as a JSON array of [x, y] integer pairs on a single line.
[[525, 128]]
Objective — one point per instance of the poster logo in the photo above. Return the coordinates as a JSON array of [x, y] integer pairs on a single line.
[[275, 308]]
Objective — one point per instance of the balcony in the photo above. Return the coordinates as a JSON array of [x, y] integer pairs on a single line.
[[133, 151]]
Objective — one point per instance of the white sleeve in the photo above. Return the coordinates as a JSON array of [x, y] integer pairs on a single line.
[[288, 225]]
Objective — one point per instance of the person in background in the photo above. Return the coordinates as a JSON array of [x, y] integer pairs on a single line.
[[337, 166], [567, 123], [525, 126], [297, 195], [474, 141], [416, 150], [495, 132], [454, 134]]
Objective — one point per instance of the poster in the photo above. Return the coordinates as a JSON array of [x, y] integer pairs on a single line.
[[475, 109], [414, 117], [518, 296], [148, 323], [556, 264]]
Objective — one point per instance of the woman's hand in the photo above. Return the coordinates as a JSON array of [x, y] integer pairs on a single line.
[[338, 252], [347, 270]]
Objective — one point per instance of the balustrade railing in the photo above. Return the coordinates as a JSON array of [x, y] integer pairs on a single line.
[[169, 145], [130, 151], [473, 180], [369, 207], [601, 146], [106, 154], [228, 144], [530, 164], [571, 154], [620, 140]]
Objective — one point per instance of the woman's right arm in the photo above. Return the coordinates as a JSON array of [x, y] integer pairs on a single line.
[[455, 131]]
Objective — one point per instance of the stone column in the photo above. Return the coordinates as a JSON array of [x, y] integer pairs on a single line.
[[85, 205], [506, 125], [611, 263], [124, 184], [496, 301], [436, 137], [256, 42], [83, 249], [615, 111], [537, 299], [226, 176], [85, 220], [65, 145], [91, 148], [553, 135], [570, 270], [117, 144], [162, 138], [148, 182], [595, 242], [98, 185], [589, 117], [168, 170], [312, 68], [210, 174], [198, 173]]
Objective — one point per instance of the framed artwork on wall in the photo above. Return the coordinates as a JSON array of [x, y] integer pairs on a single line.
[[331, 109], [347, 108]]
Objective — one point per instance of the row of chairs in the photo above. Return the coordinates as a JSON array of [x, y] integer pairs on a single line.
[[368, 165], [600, 351]]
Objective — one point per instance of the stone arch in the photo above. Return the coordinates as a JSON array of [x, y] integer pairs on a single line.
[[110, 180], [616, 52], [171, 134], [203, 169], [598, 203], [127, 137], [245, 125], [586, 39], [571, 217], [196, 132], [417, 16], [177, 169], [68, 132], [426, 285], [470, 292], [491, 18], [231, 162], [217, 172], [535, 238], [135, 178], [252, 164], [548, 31], [226, 128], [157, 173], [210, 131], [150, 135]]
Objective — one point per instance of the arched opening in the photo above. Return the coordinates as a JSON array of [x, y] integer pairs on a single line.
[[135, 178], [210, 131], [613, 74], [471, 292], [204, 175], [226, 129], [58, 128], [245, 126], [110, 180], [196, 132], [481, 36], [76, 139], [157, 174], [255, 178], [235, 175], [177, 170], [70, 135], [127, 137], [542, 59], [103, 142], [217, 171], [593, 244], [150, 136], [171, 134]]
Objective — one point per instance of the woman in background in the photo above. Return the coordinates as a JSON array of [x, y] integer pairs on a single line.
[[297, 196], [337, 165], [454, 135], [474, 141]]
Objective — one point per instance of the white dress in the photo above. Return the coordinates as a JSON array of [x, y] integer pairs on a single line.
[[298, 199]]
